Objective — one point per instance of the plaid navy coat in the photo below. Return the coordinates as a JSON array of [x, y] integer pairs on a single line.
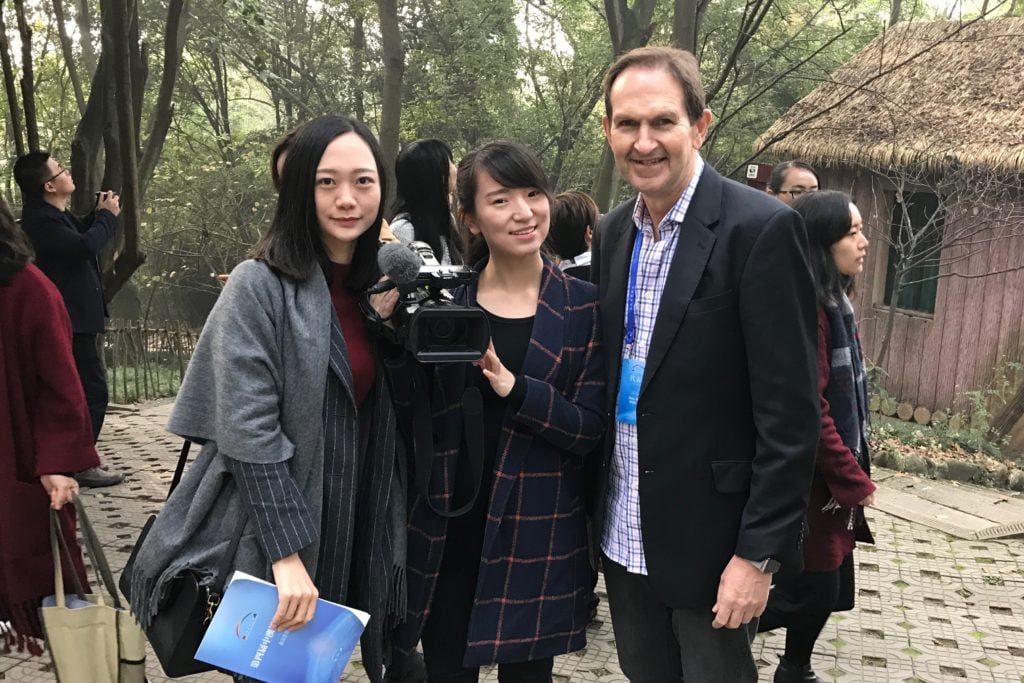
[[534, 575]]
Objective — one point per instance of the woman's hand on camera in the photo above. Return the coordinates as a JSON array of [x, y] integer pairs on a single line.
[[497, 374], [385, 302], [296, 594], [62, 489]]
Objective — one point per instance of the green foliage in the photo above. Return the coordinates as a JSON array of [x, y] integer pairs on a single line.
[[137, 383], [475, 71]]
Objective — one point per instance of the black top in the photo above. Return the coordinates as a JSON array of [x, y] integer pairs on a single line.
[[465, 537], [67, 250]]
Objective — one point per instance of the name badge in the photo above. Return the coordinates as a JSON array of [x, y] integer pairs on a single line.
[[630, 379]]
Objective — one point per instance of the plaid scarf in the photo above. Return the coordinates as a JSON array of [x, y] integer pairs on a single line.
[[847, 390]]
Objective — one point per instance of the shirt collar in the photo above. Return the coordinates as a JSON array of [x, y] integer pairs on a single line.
[[675, 215]]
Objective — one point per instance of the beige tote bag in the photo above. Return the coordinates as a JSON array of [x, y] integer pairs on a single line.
[[99, 642]]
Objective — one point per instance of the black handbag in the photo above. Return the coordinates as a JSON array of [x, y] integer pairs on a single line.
[[184, 614]]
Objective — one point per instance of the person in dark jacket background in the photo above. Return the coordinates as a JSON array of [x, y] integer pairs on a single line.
[[842, 485], [67, 251]]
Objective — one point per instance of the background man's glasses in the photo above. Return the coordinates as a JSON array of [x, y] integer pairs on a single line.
[[797, 193], [56, 175]]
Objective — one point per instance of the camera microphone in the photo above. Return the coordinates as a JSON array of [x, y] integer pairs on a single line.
[[399, 264]]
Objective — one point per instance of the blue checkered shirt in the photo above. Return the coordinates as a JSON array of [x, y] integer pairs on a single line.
[[623, 540]]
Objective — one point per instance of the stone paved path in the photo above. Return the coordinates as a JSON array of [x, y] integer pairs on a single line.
[[930, 607]]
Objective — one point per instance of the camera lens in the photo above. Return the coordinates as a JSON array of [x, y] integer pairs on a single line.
[[445, 331]]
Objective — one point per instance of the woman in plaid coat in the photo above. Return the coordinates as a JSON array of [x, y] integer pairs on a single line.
[[507, 581]]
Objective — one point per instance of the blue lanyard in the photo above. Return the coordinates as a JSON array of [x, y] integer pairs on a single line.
[[634, 266]]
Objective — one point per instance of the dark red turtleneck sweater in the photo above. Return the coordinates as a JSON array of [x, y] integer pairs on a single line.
[[353, 328]]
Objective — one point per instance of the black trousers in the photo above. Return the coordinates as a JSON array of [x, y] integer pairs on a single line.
[[801, 604], [92, 370], [446, 631], [659, 644]]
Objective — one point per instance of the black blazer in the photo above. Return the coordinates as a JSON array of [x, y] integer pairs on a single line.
[[728, 413], [66, 250]]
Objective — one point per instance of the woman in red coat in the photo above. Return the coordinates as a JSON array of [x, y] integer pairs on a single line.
[[45, 437], [842, 484]]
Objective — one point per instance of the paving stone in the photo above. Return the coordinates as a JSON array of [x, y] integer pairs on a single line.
[[930, 607]]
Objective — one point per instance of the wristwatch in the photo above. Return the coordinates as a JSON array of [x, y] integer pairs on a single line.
[[769, 565]]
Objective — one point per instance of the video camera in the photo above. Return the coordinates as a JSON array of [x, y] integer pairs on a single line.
[[427, 320]]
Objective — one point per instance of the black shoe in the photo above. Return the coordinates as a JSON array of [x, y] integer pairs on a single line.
[[406, 669], [97, 477], [791, 673]]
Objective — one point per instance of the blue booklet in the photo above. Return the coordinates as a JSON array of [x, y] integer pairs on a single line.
[[240, 639]]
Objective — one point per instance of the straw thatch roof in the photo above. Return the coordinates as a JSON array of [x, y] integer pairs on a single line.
[[916, 96]]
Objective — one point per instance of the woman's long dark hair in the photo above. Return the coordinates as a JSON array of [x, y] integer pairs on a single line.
[[826, 216], [15, 250], [512, 166], [422, 174], [292, 245]]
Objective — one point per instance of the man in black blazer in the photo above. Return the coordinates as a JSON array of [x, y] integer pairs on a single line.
[[708, 317], [67, 250]]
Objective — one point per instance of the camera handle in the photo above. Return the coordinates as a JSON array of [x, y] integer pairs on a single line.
[[423, 440]]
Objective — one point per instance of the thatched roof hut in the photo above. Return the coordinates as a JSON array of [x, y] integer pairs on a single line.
[[917, 96]]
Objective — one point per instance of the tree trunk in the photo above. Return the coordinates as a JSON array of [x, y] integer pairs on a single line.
[[391, 99], [358, 61], [84, 21], [163, 111], [628, 29], [130, 257], [69, 55], [894, 11], [11, 87], [220, 74], [28, 87], [86, 160], [685, 25]]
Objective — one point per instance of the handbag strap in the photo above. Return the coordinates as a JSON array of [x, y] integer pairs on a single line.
[[96, 554], [228, 558], [59, 546], [423, 440], [180, 469]]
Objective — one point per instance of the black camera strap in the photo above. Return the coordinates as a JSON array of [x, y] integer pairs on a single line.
[[423, 440]]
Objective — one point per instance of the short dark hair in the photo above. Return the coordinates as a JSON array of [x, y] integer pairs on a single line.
[[31, 173], [512, 166], [292, 244], [571, 214], [781, 170], [15, 250], [826, 216], [275, 155], [422, 172], [680, 64]]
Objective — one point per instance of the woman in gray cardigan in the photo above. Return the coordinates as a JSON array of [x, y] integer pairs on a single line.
[[295, 419]]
